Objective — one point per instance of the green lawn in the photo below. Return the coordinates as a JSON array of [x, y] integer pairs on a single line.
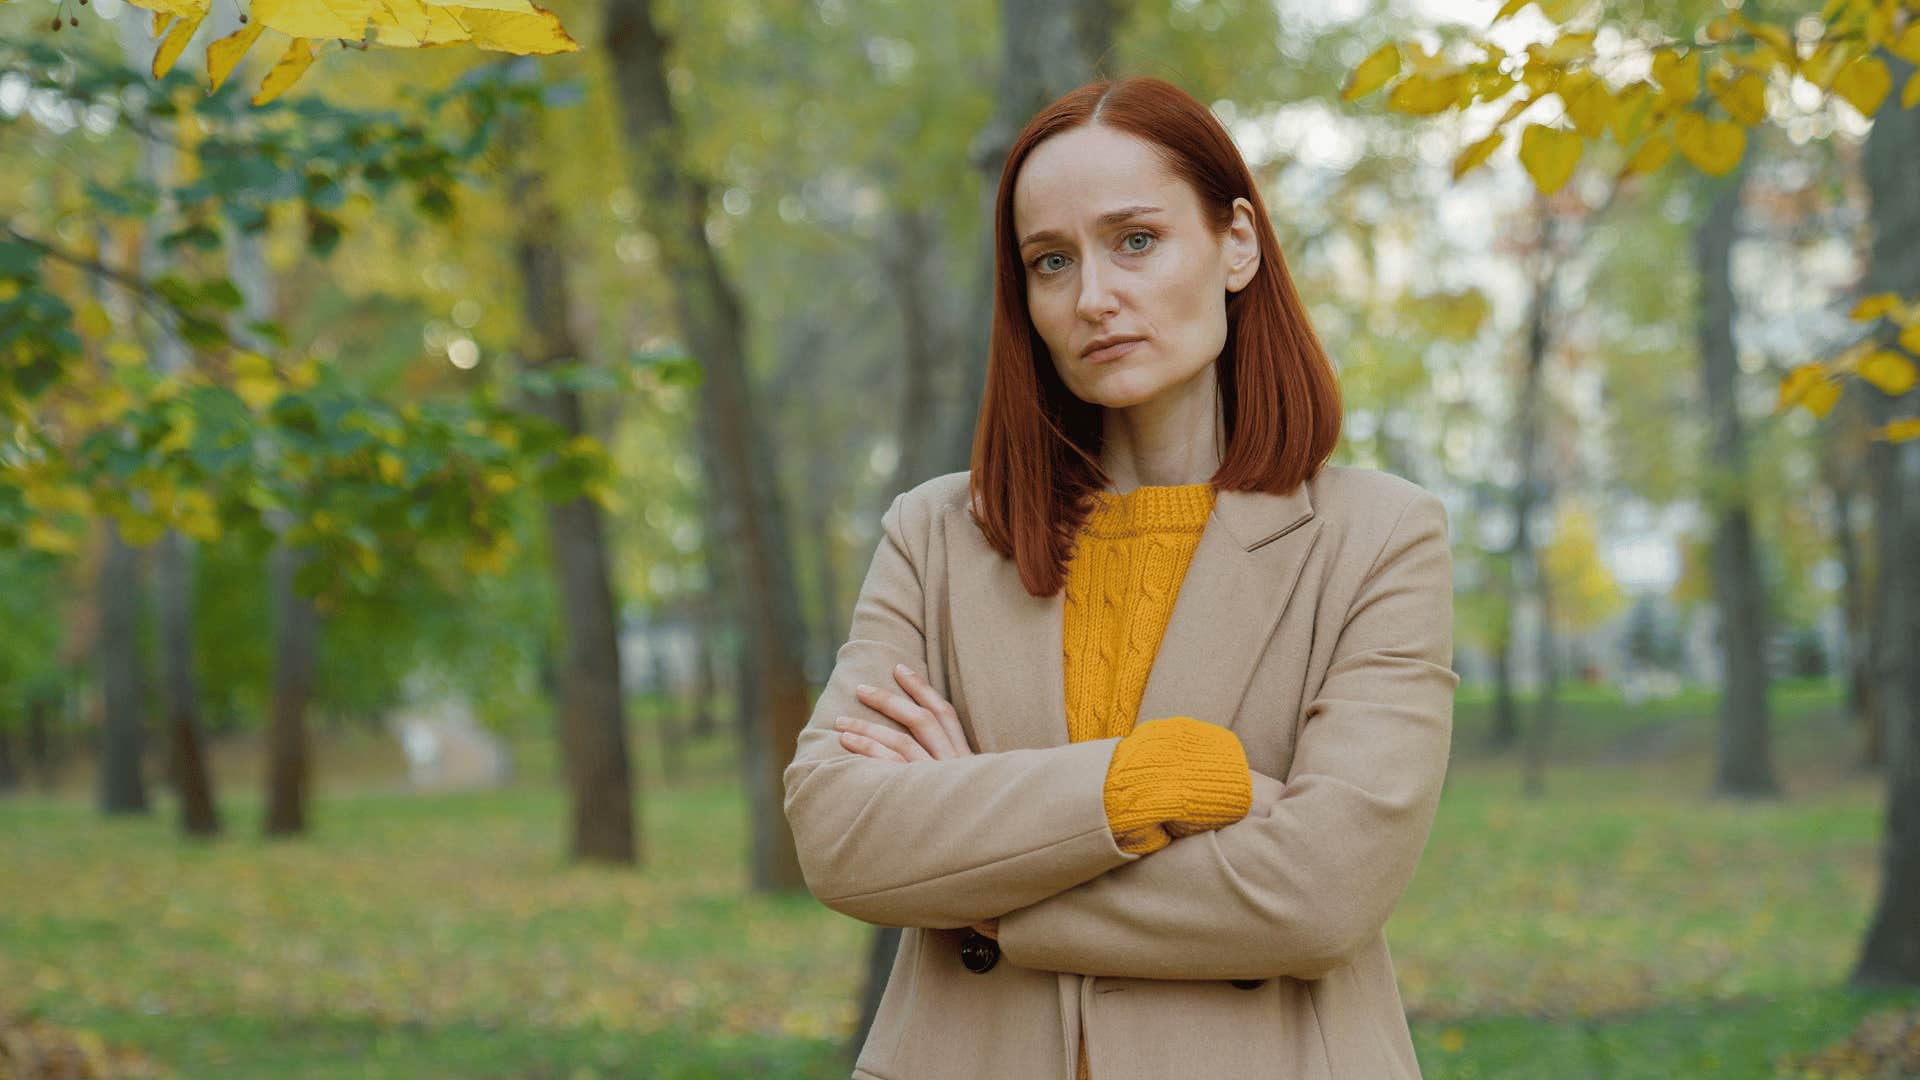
[[1624, 926]]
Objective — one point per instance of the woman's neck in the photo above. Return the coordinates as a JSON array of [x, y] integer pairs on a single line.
[[1172, 439]]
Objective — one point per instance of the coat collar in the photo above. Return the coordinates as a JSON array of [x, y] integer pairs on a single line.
[[1007, 644]]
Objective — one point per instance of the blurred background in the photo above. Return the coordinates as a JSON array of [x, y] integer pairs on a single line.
[[443, 445]]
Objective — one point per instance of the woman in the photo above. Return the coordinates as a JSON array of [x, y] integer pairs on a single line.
[[1149, 531]]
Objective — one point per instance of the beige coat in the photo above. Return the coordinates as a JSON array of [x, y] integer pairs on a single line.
[[1318, 626]]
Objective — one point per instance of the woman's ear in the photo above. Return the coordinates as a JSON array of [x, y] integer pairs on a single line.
[[1242, 246]]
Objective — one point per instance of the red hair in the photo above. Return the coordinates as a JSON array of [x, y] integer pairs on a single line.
[[1036, 446]]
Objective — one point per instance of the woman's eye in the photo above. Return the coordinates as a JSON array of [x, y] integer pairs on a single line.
[[1041, 262], [1131, 236]]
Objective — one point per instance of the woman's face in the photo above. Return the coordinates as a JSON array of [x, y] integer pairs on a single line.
[[1115, 246]]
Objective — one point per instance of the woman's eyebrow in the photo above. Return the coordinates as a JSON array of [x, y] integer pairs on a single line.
[[1111, 217]]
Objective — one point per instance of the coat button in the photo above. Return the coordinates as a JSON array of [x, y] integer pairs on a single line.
[[1247, 984], [979, 952]]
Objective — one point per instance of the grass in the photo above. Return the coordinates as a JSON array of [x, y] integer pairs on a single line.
[[1623, 926]]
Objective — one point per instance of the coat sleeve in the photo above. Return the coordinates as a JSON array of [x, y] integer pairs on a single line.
[[1303, 883], [939, 844]]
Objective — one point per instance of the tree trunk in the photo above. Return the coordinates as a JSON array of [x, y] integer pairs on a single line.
[[9, 764], [666, 716], [915, 244], [1525, 575], [172, 558], [123, 789], [295, 628], [173, 591], [1842, 464], [1743, 759], [741, 476], [705, 681], [1890, 955], [593, 726]]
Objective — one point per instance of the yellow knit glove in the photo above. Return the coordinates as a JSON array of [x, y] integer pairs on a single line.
[[1173, 777]]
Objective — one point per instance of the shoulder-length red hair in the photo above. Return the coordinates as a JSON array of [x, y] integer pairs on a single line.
[[1036, 447]]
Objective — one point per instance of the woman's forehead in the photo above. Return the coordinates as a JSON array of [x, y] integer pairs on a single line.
[[1090, 184]]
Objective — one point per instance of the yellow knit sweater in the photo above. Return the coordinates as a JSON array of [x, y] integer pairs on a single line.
[[1170, 776]]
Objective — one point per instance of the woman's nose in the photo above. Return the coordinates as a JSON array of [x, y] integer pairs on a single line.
[[1096, 297]]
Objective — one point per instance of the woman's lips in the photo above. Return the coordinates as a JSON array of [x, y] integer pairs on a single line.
[[1111, 352]]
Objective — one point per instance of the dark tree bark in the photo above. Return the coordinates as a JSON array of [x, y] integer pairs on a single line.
[[173, 590], [123, 788], [592, 721], [1743, 763], [1843, 464], [1534, 488], [741, 478], [295, 630], [1890, 955], [706, 683]]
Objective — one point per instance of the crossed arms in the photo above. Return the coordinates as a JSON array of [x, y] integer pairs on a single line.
[[1306, 879]]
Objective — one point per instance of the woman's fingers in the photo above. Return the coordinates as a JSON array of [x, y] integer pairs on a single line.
[[905, 712], [874, 740], [942, 710]]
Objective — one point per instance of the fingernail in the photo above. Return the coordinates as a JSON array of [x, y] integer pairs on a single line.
[[842, 722], [903, 669], [864, 688]]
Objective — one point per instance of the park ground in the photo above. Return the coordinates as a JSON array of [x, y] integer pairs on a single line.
[[1623, 926]]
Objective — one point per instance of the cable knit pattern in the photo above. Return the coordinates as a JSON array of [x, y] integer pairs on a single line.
[[1170, 776]]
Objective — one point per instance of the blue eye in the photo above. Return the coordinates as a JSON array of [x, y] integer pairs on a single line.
[[1148, 233]]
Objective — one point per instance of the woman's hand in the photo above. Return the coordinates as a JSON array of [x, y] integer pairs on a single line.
[[933, 734], [933, 728]]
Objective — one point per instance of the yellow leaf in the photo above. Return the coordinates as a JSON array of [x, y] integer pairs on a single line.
[[1373, 72], [250, 363], [1907, 45], [345, 20], [139, 529], [179, 436], [1744, 95], [222, 55], [1900, 430], [90, 318], [1630, 110], [1424, 95], [1714, 146], [1873, 307], [1910, 338], [1569, 47], [1474, 156], [1888, 370], [1864, 83], [304, 375], [524, 34], [1561, 11], [1910, 96], [1773, 36], [1719, 28], [1825, 62], [392, 470], [176, 43], [257, 391], [1809, 385], [124, 354], [1509, 9], [1678, 74], [1589, 105], [1549, 155], [286, 71], [501, 482], [44, 537]]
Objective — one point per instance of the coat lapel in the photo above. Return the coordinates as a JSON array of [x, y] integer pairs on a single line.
[[1007, 643]]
